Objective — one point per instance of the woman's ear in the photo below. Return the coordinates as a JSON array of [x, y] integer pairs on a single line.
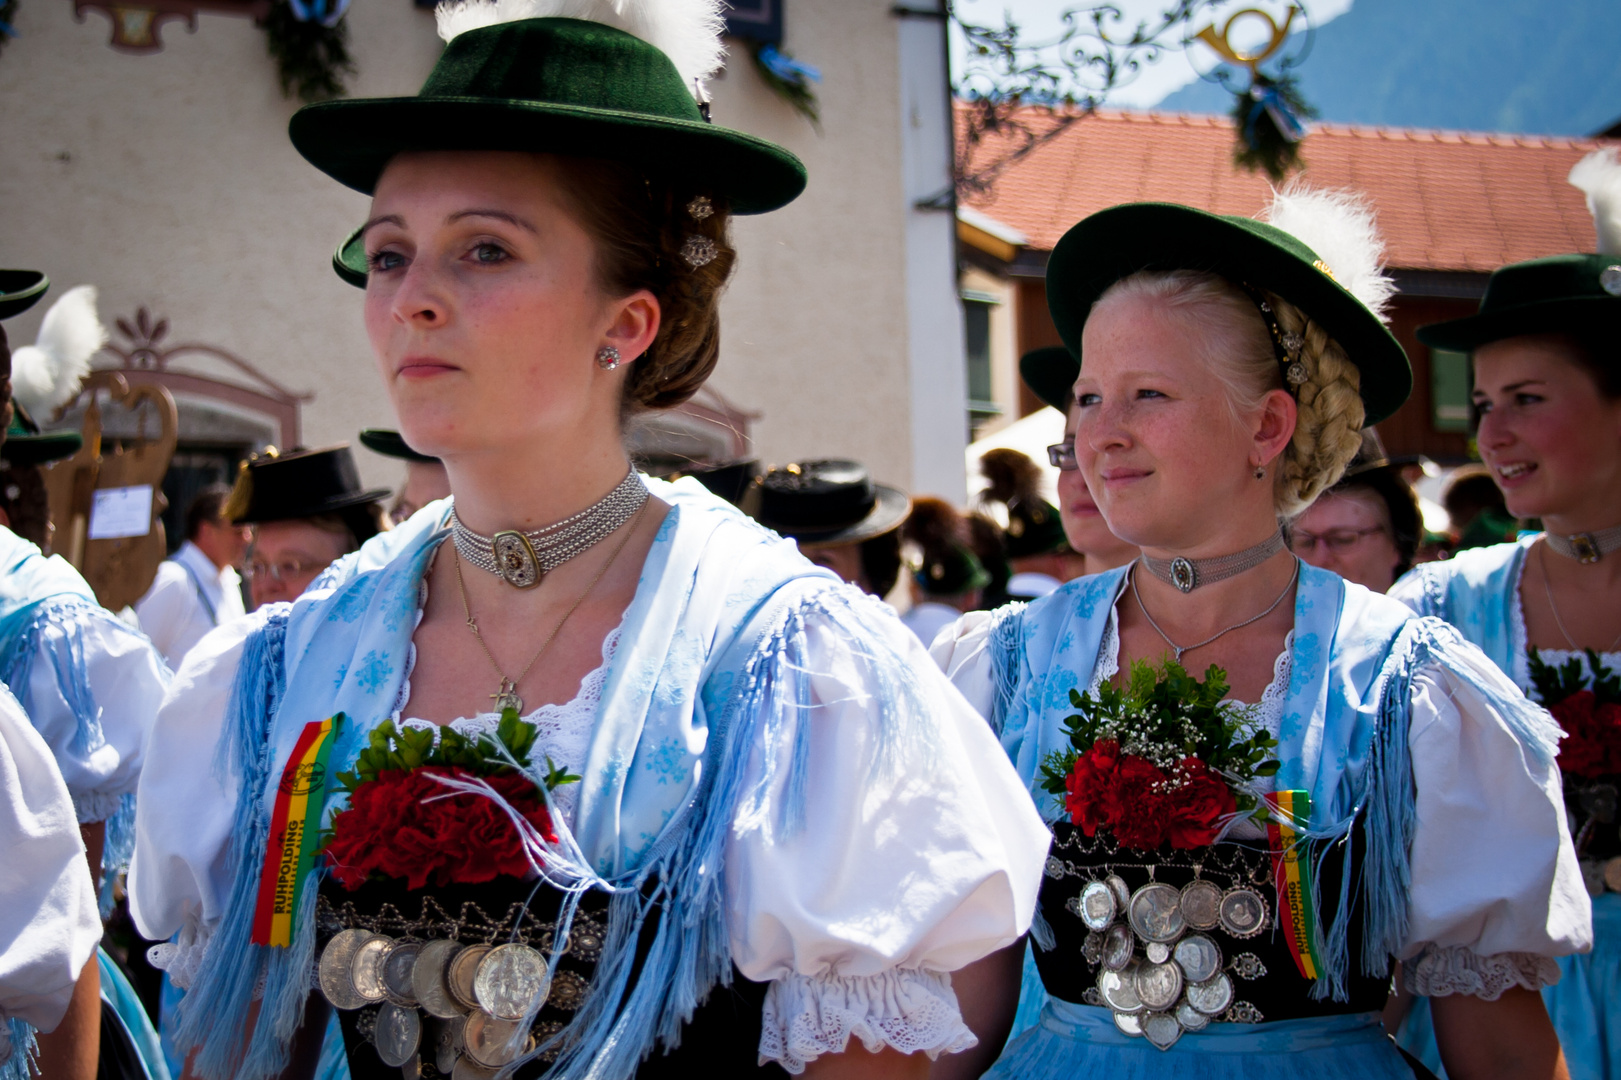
[[634, 325], [1276, 426]]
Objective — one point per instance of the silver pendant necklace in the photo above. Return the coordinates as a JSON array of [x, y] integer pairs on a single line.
[[1547, 587], [1587, 547], [1180, 649], [521, 559], [1189, 574]]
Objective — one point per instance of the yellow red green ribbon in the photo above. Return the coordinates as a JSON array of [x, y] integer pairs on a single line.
[[295, 826], [1289, 817]]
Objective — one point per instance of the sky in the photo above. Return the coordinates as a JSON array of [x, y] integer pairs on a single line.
[[1040, 20]]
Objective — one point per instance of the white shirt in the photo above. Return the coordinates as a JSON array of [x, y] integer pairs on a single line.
[[1031, 586], [188, 598], [856, 922], [49, 926], [928, 618]]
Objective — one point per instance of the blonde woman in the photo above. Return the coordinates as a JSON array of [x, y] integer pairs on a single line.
[[625, 785], [1227, 367]]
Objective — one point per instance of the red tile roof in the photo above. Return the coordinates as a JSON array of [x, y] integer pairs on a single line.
[[1445, 200]]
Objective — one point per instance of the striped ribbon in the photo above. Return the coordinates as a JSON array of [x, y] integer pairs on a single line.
[[294, 832], [1291, 865]]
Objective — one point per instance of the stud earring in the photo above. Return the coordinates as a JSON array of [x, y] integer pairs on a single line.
[[1260, 472], [607, 358]]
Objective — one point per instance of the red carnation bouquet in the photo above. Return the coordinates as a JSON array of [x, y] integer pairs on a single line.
[[1588, 708], [403, 823], [1161, 760]]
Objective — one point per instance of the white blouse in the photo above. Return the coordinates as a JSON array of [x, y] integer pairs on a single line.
[[856, 921], [48, 920], [127, 678], [1496, 891]]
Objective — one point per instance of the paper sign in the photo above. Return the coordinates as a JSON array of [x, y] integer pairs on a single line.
[[121, 512]]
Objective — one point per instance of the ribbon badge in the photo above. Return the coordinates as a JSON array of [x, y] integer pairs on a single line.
[[295, 826], [1289, 816]]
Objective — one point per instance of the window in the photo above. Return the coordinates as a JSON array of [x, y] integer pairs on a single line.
[[982, 405], [1449, 390]]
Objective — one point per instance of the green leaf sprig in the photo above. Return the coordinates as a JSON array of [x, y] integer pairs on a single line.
[[392, 748], [1555, 683]]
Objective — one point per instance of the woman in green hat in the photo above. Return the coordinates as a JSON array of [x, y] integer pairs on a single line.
[[588, 774], [1229, 883], [1547, 609]]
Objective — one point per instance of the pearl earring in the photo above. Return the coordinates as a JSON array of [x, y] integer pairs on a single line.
[[1260, 472], [607, 358]]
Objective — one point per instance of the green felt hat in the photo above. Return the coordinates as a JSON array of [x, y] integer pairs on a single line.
[[549, 85], [1050, 374], [26, 445], [20, 290], [1122, 240], [1566, 293]]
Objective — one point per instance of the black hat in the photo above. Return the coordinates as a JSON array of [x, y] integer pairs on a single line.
[[20, 290], [1115, 243], [300, 484], [391, 444], [1576, 294], [1050, 374], [730, 482], [828, 502], [25, 444]]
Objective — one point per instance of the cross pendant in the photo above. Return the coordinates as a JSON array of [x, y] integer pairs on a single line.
[[507, 697]]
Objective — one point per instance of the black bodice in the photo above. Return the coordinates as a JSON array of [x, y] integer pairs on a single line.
[[722, 1038], [1266, 985]]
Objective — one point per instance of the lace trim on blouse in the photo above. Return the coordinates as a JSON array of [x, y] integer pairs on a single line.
[[1520, 638], [93, 806], [908, 1009], [1439, 971], [182, 957]]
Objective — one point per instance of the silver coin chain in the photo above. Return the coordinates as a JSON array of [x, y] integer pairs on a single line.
[[1180, 649], [561, 541]]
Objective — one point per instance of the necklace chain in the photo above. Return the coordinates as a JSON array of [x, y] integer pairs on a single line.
[[1188, 574], [506, 695], [521, 559], [1180, 649], [1586, 547], [1547, 588]]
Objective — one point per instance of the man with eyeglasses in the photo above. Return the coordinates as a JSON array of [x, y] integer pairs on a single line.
[[196, 588]]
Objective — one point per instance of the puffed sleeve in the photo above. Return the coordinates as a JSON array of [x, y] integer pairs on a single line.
[[178, 879], [961, 651], [1496, 889], [93, 689], [49, 925], [895, 880]]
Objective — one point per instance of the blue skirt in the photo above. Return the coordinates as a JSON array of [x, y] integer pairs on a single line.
[[1071, 1038]]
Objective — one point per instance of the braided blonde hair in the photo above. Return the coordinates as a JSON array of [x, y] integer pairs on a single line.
[[1237, 345]]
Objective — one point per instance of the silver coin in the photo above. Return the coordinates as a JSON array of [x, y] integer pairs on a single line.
[[446, 1039], [1098, 905], [1190, 1018], [1119, 989], [1243, 913], [397, 965], [1122, 891], [397, 1034], [1213, 996], [366, 970], [1199, 957], [468, 1069], [460, 974], [1129, 1023], [491, 1042], [1201, 904], [1158, 986], [1161, 1029], [1156, 912], [1157, 952], [1092, 947], [428, 983], [512, 982], [337, 966], [1117, 947]]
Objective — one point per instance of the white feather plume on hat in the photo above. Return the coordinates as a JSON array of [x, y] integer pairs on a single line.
[[687, 31], [46, 374], [1598, 175], [1340, 227]]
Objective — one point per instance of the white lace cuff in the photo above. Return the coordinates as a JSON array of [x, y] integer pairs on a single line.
[[94, 806], [911, 1010], [182, 956], [1457, 969]]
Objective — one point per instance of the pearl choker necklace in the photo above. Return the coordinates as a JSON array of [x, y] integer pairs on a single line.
[[1189, 574], [522, 559], [1586, 547]]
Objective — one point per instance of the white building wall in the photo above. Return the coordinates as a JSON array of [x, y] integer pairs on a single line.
[[168, 181]]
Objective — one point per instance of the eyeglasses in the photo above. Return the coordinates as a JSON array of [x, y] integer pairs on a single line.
[[1335, 540], [278, 571], [1062, 456]]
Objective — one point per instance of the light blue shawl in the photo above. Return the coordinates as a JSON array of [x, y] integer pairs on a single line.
[[1343, 735], [711, 661], [1474, 591]]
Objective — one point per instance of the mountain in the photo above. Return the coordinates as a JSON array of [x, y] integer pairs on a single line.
[[1548, 67]]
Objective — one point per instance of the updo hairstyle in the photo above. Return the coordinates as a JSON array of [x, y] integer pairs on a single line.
[[640, 225], [1235, 342]]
